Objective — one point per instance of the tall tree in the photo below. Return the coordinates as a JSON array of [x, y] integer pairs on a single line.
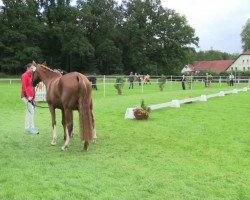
[[157, 39], [99, 19], [245, 36], [21, 32], [66, 45]]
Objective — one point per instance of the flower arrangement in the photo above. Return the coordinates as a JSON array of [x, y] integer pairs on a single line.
[[142, 112]]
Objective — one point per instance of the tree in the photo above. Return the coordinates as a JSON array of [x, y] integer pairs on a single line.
[[21, 33], [214, 55], [155, 37], [95, 35], [245, 36]]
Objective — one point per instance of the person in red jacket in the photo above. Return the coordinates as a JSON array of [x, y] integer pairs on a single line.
[[28, 95]]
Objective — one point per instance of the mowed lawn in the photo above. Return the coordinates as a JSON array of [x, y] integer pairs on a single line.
[[198, 151]]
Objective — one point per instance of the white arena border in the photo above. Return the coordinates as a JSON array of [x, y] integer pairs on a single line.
[[177, 103]]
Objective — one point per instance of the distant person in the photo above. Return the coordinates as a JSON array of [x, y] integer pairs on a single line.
[[140, 79], [28, 96], [231, 80], [147, 79], [183, 80], [93, 81], [131, 79]]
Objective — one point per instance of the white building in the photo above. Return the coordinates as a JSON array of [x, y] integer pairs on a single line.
[[242, 63]]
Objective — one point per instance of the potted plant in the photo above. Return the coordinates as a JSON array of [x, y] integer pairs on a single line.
[[119, 83], [161, 82], [189, 81], [209, 78], [142, 112]]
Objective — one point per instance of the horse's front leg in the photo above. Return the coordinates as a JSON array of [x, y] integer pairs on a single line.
[[53, 118], [68, 127]]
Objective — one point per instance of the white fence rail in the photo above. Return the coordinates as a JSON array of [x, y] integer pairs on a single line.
[[104, 81]]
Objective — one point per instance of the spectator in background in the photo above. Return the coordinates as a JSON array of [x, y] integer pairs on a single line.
[[231, 80], [183, 80], [131, 79], [147, 79], [93, 81]]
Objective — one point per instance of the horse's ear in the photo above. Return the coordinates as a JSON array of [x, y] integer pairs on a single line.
[[33, 62], [44, 63]]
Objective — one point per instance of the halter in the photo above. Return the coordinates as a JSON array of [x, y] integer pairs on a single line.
[[31, 101]]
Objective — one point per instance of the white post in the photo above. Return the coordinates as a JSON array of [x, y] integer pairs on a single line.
[[191, 82], [171, 81], [104, 88], [141, 86], [10, 81]]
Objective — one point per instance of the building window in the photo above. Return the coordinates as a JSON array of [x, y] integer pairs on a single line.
[[235, 68], [243, 61], [244, 69]]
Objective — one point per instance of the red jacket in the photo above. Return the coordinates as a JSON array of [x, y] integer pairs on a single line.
[[27, 88]]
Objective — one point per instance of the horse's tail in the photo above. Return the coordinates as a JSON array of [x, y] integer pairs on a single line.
[[85, 108]]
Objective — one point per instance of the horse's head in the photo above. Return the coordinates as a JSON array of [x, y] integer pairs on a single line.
[[35, 74]]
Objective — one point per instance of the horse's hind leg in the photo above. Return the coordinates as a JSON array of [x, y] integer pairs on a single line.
[[53, 118], [68, 127], [64, 124], [94, 137], [71, 124]]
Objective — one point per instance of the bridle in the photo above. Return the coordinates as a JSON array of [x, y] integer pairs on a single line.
[[31, 101]]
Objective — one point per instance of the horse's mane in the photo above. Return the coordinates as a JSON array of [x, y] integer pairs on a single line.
[[45, 67], [58, 71]]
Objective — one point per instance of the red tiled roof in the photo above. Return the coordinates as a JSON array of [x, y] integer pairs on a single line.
[[216, 66]]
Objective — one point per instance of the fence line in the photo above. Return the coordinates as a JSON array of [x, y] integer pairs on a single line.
[[106, 80]]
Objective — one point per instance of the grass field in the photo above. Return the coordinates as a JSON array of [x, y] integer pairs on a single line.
[[199, 151]]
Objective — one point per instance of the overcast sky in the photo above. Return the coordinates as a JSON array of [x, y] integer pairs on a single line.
[[218, 23]]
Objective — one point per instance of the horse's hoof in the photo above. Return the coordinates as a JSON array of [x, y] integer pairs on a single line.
[[85, 148], [94, 140], [64, 148], [53, 143]]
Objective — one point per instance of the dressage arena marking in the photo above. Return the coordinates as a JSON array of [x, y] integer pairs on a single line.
[[177, 103]]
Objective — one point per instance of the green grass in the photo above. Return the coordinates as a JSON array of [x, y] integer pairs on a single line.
[[199, 151]]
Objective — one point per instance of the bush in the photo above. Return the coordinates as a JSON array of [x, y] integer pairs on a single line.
[[119, 83], [162, 81]]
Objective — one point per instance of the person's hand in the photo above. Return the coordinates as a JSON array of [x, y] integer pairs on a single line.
[[30, 98]]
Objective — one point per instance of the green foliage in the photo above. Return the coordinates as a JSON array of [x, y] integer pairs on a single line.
[[162, 81], [189, 80], [144, 108], [119, 83], [245, 36], [95, 35], [214, 55], [209, 77]]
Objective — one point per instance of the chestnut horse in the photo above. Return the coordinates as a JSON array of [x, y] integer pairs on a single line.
[[68, 92]]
